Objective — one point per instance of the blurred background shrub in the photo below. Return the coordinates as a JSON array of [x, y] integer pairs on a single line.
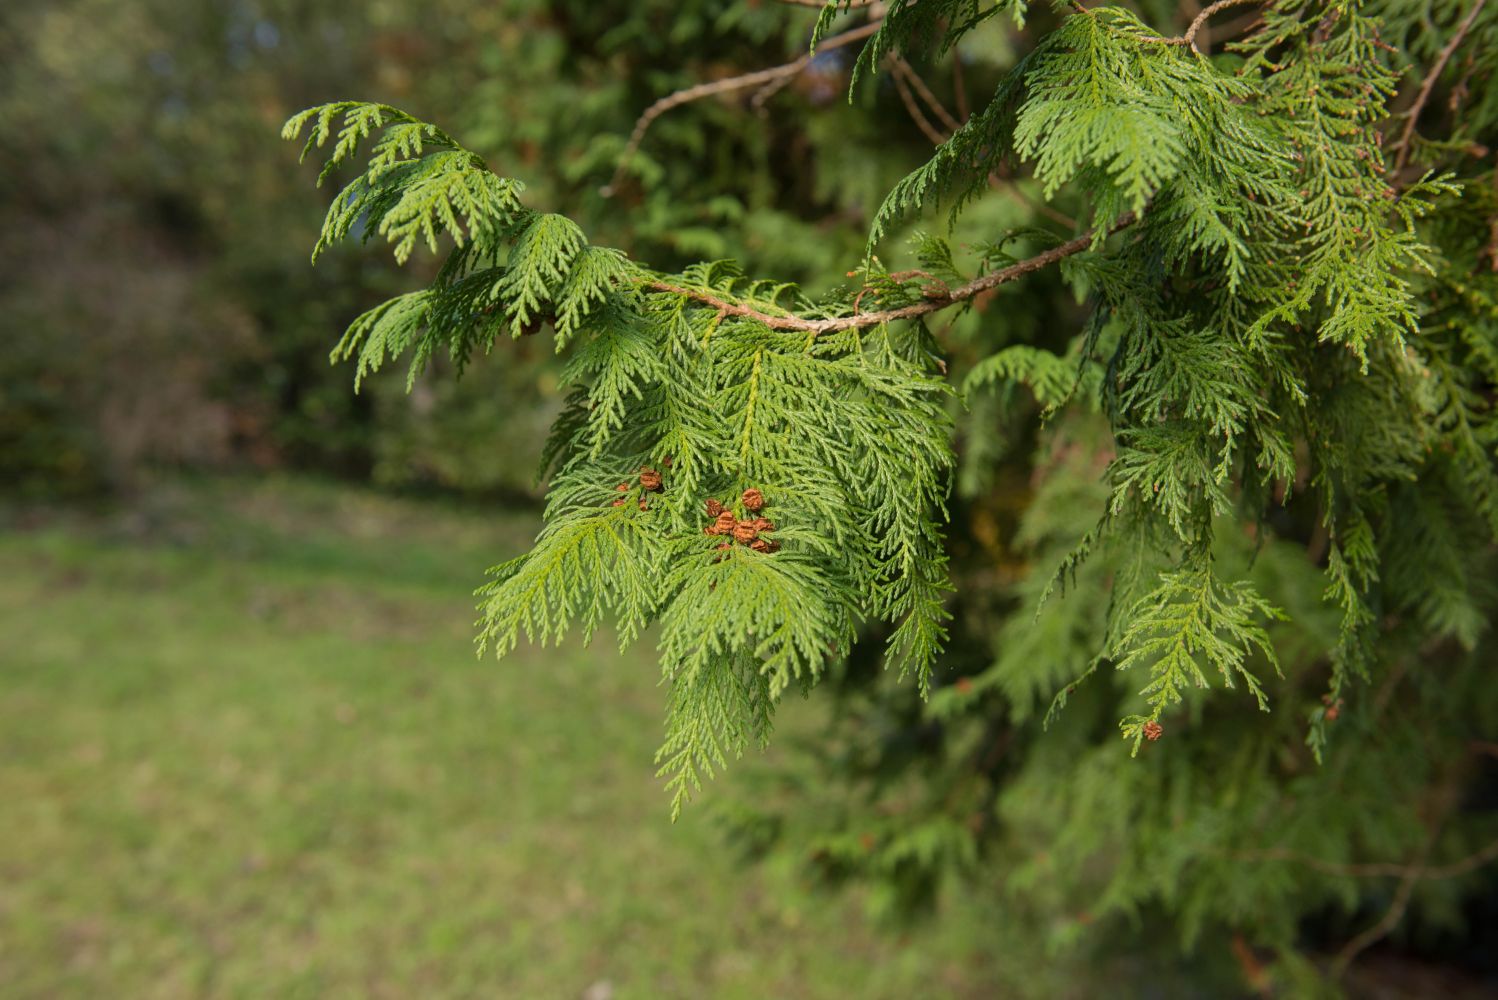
[[153, 230]]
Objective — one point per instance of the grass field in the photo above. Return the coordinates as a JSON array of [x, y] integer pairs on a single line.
[[246, 751]]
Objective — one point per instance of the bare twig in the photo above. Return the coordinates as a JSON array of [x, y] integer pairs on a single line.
[[1379, 869], [1189, 9], [904, 68], [959, 85], [759, 78], [932, 303], [1493, 232], [1200, 22], [1397, 906], [1410, 874], [901, 74], [1429, 83], [900, 66], [762, 95]]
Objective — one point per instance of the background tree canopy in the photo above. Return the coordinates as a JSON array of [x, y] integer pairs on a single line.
[[142, 211], [1104, 358]]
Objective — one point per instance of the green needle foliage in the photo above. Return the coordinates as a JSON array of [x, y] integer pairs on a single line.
[[1260, 453], [846, 435]]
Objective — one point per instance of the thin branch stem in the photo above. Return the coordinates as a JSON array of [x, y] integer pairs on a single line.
[[1410, 874], [934, 301], [1429, 83], [959, 85], [1198, 23], [1380, 869], [908, 82], [1402, 894], [902, 67], [902, 73], [759, 78]]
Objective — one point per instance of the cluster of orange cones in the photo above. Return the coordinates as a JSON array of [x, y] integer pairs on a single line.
[[746, 531]]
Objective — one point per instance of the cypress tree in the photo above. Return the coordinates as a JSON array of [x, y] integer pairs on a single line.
[[1212, 470]]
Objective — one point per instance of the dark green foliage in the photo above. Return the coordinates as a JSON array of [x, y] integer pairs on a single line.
[[136, 166], [1259, 455]]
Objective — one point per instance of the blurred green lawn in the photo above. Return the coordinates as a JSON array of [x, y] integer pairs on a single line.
[[246, 750]]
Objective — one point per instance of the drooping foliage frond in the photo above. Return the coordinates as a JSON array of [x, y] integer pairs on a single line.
[[1265, 359]]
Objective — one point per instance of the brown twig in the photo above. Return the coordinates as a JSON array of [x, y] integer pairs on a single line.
[[1429, 83], [959, 85], [930, 304], [741, 82], [1200, 22], [1189, 9], [762, 95], [901, 70], [1379, 869], [1410, 874], [1493, 232], [1188, 38], [901, 66], [1397, 906]]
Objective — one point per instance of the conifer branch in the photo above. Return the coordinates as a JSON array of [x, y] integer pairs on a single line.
[[1429, 83], [759, 78], [1261, 203]]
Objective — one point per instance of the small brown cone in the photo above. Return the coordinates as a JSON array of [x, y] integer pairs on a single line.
[[724, 524], [650, 479], [714, 507], [753, 500], [744, 532], [1153, 731]]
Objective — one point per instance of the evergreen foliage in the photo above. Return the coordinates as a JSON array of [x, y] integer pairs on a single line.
[[1263, 456]]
